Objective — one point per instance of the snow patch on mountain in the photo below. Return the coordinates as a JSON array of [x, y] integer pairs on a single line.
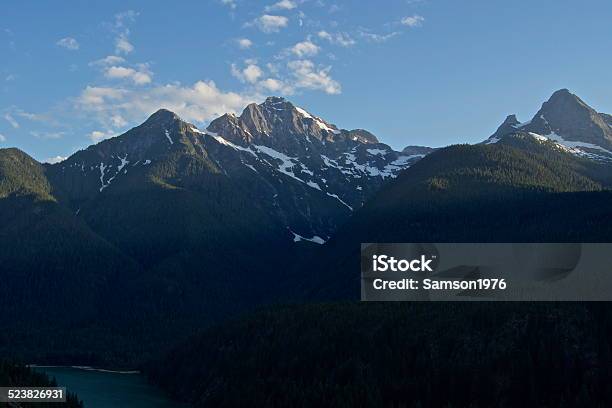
[[522, 125], [287, 164], [105, 169], [315, 239], [313, 185], [376, 152], [322, 125], [102, 168], [339, 199], [400, 163], [225, 141], [168, 136], [576, 148]]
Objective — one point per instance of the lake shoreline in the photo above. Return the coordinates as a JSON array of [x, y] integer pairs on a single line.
[[103, 388], [86, 368]]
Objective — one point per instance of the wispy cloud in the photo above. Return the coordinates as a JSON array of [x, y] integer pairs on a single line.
[[413, 21], [2, 138], [379, 38], [47, 135], [123, 45], [11, 120], [120, 27], [341, 39], [230, 3], [68, 43]]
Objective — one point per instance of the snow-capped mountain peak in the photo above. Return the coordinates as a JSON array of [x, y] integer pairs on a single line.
[[306, 169], [568, 123]]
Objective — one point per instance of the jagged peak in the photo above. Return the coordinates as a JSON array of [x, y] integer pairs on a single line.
[[564, 100], [511, 120], [566, 117], [275, 100]]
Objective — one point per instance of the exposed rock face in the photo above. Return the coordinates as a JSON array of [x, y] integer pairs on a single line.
[[302, 169], [508, 126], [570, 117], [567, 121]]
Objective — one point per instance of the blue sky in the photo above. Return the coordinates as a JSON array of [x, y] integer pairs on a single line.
[[431, 72]]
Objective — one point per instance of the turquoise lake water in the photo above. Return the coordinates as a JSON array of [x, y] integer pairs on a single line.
[[99, 389]]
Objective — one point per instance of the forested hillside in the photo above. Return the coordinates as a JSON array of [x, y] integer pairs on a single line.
[[399, 355], [519, 191]]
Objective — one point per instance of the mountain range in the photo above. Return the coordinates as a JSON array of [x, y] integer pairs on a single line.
[[136, 241], [174, 226], [524, 184], [304, 172]]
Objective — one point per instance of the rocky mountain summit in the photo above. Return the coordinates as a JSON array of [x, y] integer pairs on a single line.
[[303, 170], [568, 123]]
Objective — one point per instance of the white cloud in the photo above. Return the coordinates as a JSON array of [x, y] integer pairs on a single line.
[[98, 135], [272, 85], [341, 39], [55, 160], [10, 77], [200, 102], [108, 60], [305, 49], [122, 45], [140, 77], [11, 120], [69, 43], [244, 43], [252, 73], [249, 74], [413, 21], [308, 76], [282, 5], [325, 35], [119, 72], [2, 138], [270, 24], [275, 86]]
